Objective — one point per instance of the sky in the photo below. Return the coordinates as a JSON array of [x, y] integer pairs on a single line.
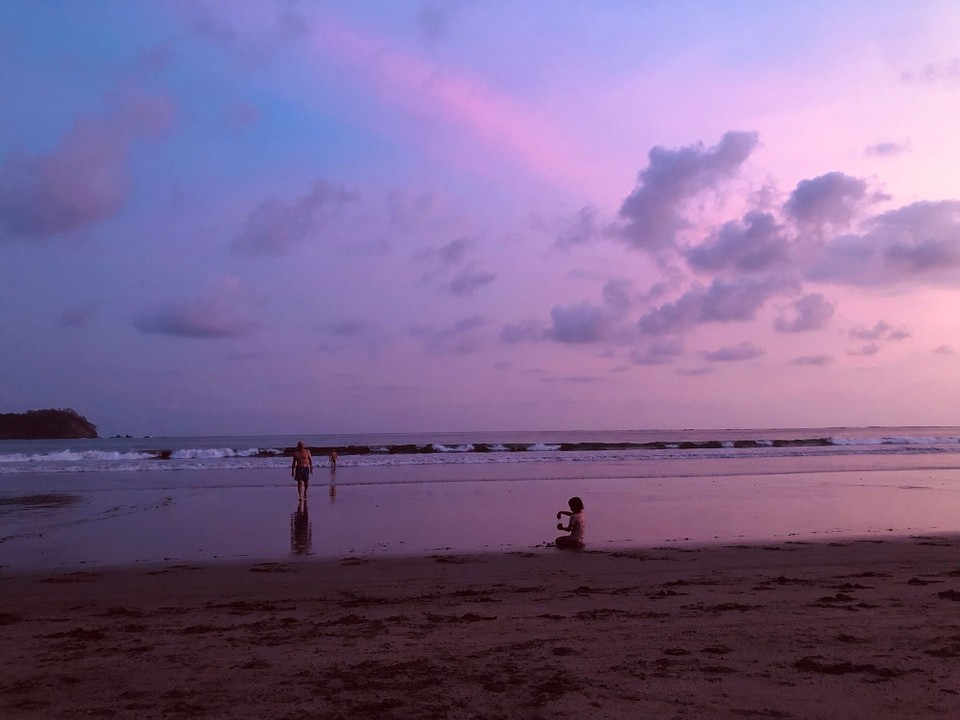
[[373, 216]]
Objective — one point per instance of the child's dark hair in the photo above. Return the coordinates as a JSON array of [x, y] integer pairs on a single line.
[[576, 504]]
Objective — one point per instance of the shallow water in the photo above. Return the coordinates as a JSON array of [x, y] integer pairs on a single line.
[[118, 518]]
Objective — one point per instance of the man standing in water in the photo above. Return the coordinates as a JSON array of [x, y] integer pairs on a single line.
[[301, 469]]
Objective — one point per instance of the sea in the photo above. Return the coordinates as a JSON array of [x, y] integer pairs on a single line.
[[164, 454], [155, 500]]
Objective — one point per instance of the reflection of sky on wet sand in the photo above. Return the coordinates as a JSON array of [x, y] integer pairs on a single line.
[[256, 518], [301, 531]]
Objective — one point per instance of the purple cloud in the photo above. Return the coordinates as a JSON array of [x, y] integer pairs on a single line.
[[461, 337], [275, 226], [811, 312], [580, 323], [215, 313], [881, 331], [77, 316], [435, 18], [948, 71], [659, 352], [353, 333], [925, 255], [755, 244], [85, 179], [886, 149], [874, 333], [455, 251], [815, 360], [194, 321], [918, 242], [524, 331], [832, 198], [454, 257], [583, 228], [866, 350], [696, 372], [468, 281], [722, 301], [743, 351], [651, 214]]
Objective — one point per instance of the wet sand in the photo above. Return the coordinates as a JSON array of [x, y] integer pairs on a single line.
[[107, 519], [847, 629]]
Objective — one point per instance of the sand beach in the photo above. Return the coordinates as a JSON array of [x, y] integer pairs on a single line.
[[762, 585], [852, 629]]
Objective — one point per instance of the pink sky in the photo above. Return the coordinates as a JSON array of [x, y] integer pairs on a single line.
[[416, 216]]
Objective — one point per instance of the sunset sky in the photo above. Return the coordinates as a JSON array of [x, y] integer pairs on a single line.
[[409, 216]]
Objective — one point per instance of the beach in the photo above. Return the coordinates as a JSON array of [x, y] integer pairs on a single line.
[[755, 582], [848, 629]]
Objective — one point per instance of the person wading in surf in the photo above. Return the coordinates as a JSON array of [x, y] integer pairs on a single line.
[[301, 468]]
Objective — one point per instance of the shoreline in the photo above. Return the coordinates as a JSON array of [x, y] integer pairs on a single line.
[[862, 628], [105, 520]]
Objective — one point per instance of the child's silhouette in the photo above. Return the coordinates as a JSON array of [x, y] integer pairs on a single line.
[[575, 527]]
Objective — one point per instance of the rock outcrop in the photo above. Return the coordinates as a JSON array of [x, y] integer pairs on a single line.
[[45, 424]]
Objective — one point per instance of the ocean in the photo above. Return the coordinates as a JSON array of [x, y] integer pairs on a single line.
[[118, 501], [159, 454]]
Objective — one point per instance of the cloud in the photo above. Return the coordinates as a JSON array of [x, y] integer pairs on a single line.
[[453, 257], [832, 198], [582, 229], [916, 243], [585, 322], [78, 316], [489, 125], [815, 360], [616, 294], [943, 350], [658, 352], [811, 312], [194, 321], [880, 333], [874, 333], [947, 71], [866, 350], [85, 179], [580, 323], [461, 337], [696, 372], [275, 226], [434, 19], [455, 251], [743, 351], [359, 334], [575, 379], [925, 255], [524, 331], [215, 314], [753, 245], [412, 211], [886, 149], [652, 213], [722, 301], [468, 281]]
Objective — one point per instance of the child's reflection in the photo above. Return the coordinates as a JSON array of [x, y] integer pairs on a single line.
[[300, 530]]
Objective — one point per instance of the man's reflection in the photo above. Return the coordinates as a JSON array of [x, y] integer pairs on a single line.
[[333, 482], [300, 530]]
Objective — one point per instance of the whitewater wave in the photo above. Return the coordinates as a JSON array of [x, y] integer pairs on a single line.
[[216, 453]]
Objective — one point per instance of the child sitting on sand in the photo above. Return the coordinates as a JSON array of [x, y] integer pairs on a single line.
[[575, 527]]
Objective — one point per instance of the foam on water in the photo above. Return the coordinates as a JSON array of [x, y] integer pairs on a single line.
[[164, 454]]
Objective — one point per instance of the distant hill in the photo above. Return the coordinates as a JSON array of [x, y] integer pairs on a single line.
[[45, 425]]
